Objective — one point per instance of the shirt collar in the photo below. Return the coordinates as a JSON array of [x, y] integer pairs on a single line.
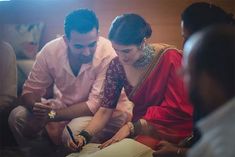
[[67, 67], [223, 114], [96, 58]]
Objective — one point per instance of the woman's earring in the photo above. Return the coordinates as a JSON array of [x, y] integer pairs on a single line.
[[143, 44]]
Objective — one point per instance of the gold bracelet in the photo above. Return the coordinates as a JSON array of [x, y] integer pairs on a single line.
[[144, 126], [131, 128]]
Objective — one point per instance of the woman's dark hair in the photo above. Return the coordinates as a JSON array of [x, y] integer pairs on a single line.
[[201, 14], [129, 29], [81, 20]]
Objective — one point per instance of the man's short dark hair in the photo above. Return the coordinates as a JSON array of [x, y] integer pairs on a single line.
[[214, 53], [81, 20], [201, 14]]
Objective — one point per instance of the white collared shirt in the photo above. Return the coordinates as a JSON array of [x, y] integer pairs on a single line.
[[52, 67], [218, 133]]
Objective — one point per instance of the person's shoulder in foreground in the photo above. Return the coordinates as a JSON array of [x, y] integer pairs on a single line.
[[210, 63]]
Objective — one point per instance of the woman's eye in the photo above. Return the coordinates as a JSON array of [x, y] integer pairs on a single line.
[[125, 51]]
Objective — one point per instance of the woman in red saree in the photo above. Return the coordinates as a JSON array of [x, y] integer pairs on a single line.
[[148, 74], [159, 97]]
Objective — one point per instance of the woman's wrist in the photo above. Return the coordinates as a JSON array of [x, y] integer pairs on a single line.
[[85, 136], [137, 127], [131, 129]]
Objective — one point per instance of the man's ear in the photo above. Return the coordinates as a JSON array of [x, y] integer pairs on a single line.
[[66, 40], [207, 83]]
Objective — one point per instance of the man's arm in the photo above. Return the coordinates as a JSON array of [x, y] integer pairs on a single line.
[[89, 107], [38, 81], [85, 108], [29, 100], [166, 149], [74, 111]]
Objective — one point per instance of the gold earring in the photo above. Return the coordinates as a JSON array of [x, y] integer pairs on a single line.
[[145, 39]]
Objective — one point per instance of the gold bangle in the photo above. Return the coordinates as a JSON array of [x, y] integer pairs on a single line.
[[131, 128], [144, 126]]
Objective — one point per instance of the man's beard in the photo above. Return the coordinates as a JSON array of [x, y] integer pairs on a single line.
[[197, 102], [85, 59]]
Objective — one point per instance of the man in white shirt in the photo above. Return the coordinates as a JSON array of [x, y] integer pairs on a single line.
[[76, 64], [209, 71]]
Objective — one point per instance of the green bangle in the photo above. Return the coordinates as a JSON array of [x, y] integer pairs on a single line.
[[86, 135], [137, 127]]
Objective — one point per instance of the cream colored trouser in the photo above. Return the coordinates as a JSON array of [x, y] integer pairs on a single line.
[[21, 120]]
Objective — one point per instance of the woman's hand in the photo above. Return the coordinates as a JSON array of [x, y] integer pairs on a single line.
[[121, 134]]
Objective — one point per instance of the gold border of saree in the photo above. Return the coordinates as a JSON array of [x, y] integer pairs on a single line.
[[160, 49]]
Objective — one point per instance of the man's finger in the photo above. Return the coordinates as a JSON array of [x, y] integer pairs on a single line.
[[39, 110], [42, 106], [40, 114]]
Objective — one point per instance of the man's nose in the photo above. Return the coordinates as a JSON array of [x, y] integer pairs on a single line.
[[124, 55], [86, 51]]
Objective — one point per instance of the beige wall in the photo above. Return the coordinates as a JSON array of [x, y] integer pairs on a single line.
[[163, 15]]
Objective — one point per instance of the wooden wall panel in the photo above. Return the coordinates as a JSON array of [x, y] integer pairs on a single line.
[[163, 15]]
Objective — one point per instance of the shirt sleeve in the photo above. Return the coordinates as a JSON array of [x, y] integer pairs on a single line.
[[93, 101], [112, 86], [8, 76], [105, 53], [39, 78]]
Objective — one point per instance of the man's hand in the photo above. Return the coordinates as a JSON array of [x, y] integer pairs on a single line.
[[121, 134], [166, 149], [41, 110]]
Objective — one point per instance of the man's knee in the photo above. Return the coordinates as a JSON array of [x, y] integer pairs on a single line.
[[18, 117], [21, 122]]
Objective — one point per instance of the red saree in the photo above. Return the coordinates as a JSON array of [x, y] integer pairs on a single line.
[[162, 100], [160, 97]]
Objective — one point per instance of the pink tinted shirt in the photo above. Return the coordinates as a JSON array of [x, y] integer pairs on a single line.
[[52, 67]]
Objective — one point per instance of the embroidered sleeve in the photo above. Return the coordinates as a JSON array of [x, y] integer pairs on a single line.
[[113, 84]]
